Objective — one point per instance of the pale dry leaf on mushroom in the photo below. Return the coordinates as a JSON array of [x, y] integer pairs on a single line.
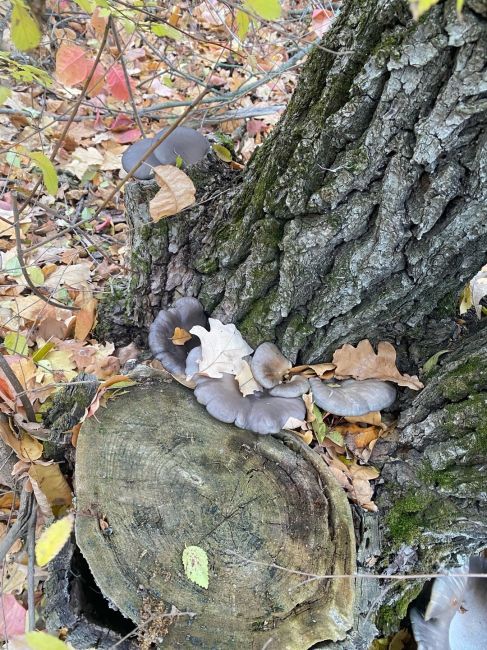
[[261, 391]]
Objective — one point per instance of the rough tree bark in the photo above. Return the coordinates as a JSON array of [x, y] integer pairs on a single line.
[[362, 212], [362, 215]]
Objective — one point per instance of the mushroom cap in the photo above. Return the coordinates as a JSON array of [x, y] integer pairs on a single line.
[[295, 388], [187, 143], [456, 614], [352, 397], [185, 313], [260, 412], [134, 153], [269, 365]]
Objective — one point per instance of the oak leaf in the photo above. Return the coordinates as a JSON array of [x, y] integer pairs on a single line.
[[177, 192], [222, 348], [363, 363]]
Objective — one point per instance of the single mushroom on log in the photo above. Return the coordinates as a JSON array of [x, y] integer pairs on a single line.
[[165, 476]]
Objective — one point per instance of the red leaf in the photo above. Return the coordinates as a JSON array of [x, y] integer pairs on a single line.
[[128, 136], [121, 123], [97, 80], [321, 21], [72, 64], [12, 616], [116, 83]]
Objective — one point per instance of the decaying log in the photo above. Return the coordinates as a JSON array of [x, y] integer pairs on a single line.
[[163, 475]]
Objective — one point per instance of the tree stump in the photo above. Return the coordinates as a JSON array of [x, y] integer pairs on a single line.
[[163, 475]]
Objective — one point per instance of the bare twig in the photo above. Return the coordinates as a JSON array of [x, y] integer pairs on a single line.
[[59, 143], [18, 388], [20, 256], [31, 533], [17, 530], [116, 38]]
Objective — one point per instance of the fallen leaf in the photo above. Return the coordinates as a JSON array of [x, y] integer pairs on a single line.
[[222, 348], [53, 539], [246, 382], [85, 319], [37, 641], [51, 488], [478, 287], [321, 21], [72, 64], [363, 363], [12, 616], [374, 418], [180, 336], [177, 192], [321, 370], [116, 83], [25, 446], [195, 562]]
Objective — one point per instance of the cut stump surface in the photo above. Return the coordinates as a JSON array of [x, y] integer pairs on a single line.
[[164, 475]]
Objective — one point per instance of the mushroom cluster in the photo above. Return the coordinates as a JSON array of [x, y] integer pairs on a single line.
[[184, 143], [457, 611], [276, 401]]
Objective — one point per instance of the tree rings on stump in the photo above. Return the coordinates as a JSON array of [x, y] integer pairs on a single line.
[[155, 474]]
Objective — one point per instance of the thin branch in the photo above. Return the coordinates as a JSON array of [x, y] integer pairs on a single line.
[[59, 142], [125, 73], [31, 534], [129, 175], [20, 256], [18, 388], [17, 530]]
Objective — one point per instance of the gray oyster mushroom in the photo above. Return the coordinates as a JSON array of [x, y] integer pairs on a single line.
[[269, 365], [295, 388], [456, 615], [185, 313], [183, 142], [188, 144], [260, 412], [352, 397], [134, 153]]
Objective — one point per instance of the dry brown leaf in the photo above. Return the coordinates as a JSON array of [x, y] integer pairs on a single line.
[[177, 192], [322, 370], [245, 378], [363, 363], [308, 400], [180, 336], [85, 319], [16, 546], [374, 418], [306, 436], [50, 487], [26, 447]]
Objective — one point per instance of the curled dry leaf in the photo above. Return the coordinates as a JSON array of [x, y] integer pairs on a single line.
[[245, 378], [363, 363], [177, 192], [50, 488], [180, 336], [321, 370], [26, 447]]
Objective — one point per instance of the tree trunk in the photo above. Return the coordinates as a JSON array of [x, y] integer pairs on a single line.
[[362, 214], [360, 217]]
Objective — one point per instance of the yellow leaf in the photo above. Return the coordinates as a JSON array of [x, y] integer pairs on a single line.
[[37, 641], [177, 192], [25, 446], [460, 6], [467, 300], [42, 351], [49, 173], [24, 29], [51, 488], [4, 94], [222, 152], [266, 9], [420, 7], [53, 539], [243, 21]]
